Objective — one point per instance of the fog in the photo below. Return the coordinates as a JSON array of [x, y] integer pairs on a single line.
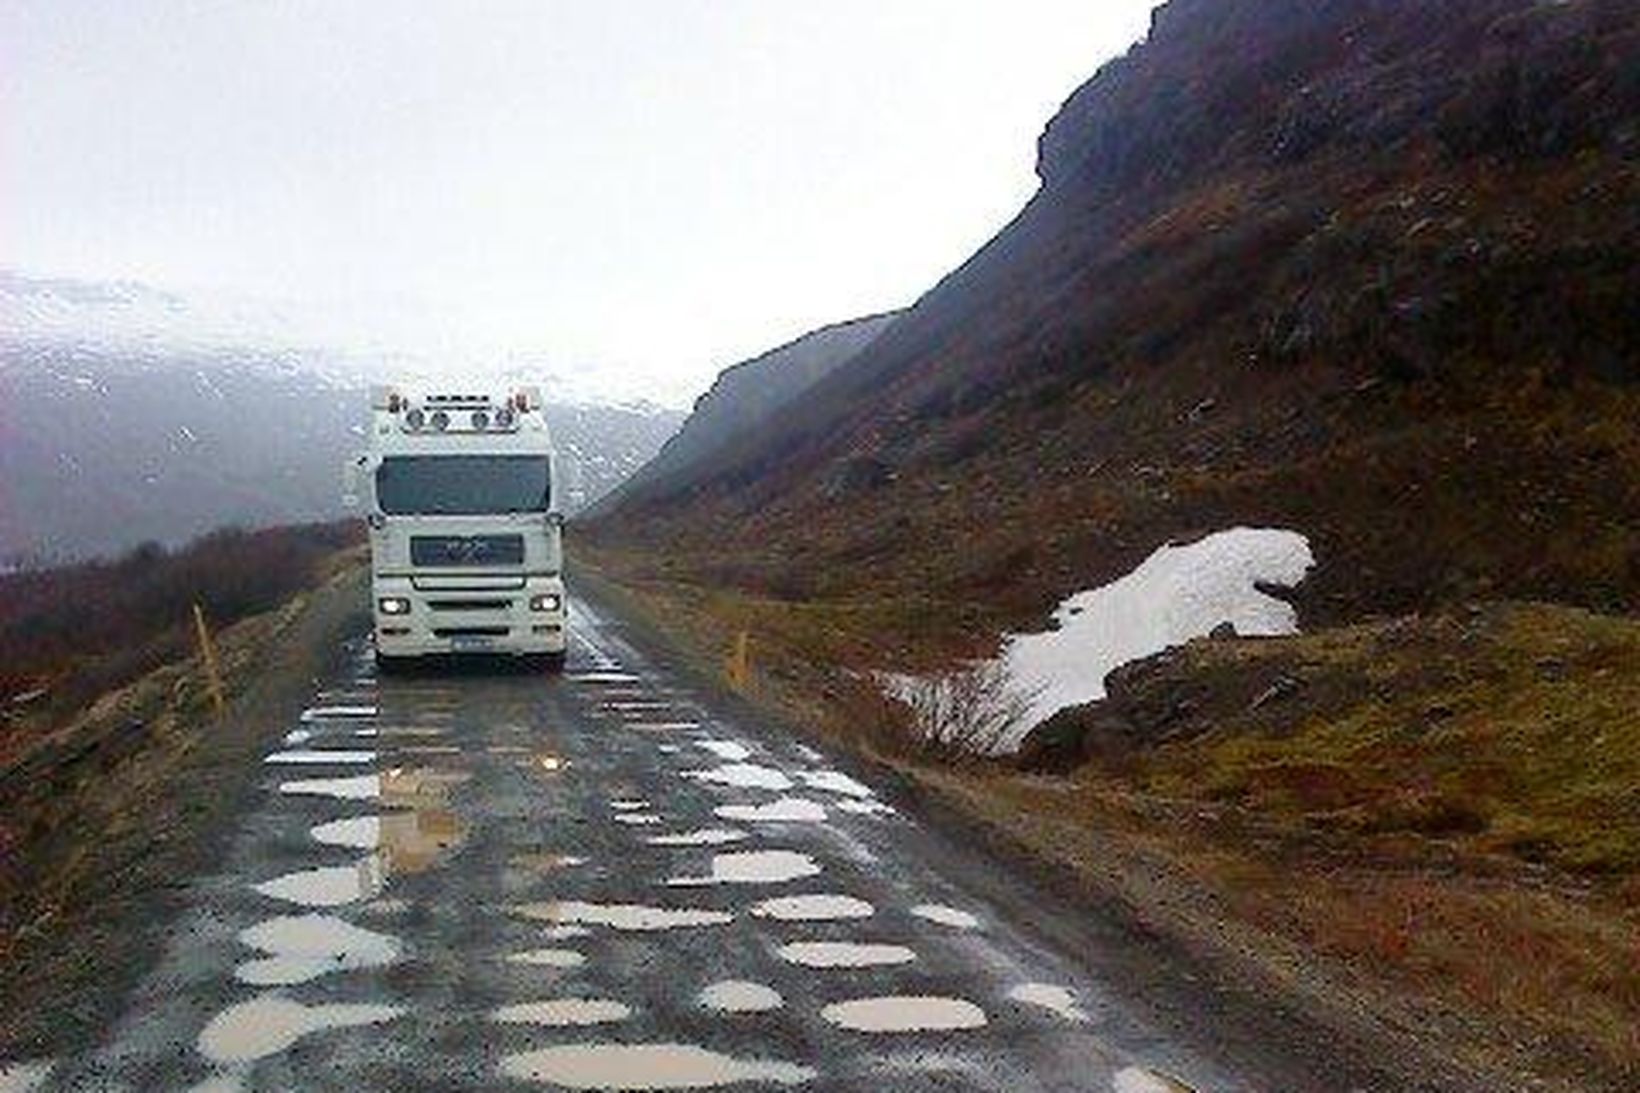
[[658, 188]]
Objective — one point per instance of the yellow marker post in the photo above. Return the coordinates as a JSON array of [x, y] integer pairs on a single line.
[[740, 662], [207, 652]]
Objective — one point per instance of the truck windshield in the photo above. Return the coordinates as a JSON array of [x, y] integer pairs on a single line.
[[463, 485]]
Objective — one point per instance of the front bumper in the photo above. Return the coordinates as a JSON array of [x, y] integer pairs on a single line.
[[487, 620]]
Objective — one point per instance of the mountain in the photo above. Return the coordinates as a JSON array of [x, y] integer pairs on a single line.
[[1362, 268], [124, 419], [744, 396]]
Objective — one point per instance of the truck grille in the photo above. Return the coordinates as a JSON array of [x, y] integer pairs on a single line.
[[466, 550], [470, 605]]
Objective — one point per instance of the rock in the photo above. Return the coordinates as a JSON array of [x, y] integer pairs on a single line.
[[1283, 687], [858, 474], [1224, 631], [1071, 737]]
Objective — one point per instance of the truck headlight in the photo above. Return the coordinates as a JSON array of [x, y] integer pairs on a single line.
[[547, 601], [393, 605]]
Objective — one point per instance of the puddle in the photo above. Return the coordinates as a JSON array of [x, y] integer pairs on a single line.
[[726, 750], [298, 736], [545, 763], [740, 996], [330, 886], [754, 867], [844, 954], [813, 908], [564, 933], [864, 808], [621, 916], [637, 818], [428, 749], [549, 958], [945, 916], [603, 677], [23, 1077], [669, 749], [304, 947], [706, 836], [409, 841], [323, 713], [358, 832], [1137, 1079], [563, 1012], [834, 781], [417, 787], [268, 1025], [338, 756], [413, 732], [371, 732], [363, 787], [744, 775], [628, 805], [792, 810], [662, 726], [543, 862], [904, 1013], [1049, 997], [646, 1066]]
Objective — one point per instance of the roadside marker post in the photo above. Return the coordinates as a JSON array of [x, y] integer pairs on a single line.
[[740, 665], [207, 652]]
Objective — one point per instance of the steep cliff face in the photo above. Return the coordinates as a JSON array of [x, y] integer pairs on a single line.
[[1362, 268], [743, 397]]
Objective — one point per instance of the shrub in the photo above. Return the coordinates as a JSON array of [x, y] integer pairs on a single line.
[[83, 629]]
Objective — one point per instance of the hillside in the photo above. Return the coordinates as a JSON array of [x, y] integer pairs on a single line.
[[1356, 271], [1363, 269], [743, 398]]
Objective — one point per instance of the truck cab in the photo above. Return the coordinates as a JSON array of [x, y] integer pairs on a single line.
[[466, 551]]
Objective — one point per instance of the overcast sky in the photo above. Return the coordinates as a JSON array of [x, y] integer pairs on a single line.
[[666, 186]]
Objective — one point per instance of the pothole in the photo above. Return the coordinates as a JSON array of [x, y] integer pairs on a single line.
[[812, 908], [270, 1024], [904, 1013], [621, 916], [844, 954], [754, 867], [304, 947], [564, 1012], [646, 1066], [740, 996], [791, 810]]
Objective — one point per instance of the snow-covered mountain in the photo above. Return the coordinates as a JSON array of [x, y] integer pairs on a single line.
[[128, 414]]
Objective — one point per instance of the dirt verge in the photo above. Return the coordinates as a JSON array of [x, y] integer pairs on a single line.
[[106, 824]]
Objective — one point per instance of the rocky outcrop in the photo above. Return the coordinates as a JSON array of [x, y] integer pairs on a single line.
[[745, 395]]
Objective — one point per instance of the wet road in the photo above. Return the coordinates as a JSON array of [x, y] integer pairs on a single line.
[[599, 881]]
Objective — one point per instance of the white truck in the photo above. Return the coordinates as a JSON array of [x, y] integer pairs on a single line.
[[466, 536]]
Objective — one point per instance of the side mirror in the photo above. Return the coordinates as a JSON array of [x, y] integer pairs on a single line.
[[350, 481]]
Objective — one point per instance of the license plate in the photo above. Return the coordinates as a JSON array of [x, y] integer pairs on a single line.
[[471, 643]]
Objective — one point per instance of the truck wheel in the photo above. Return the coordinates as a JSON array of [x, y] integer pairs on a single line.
[[547, 662], [387, 665]]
